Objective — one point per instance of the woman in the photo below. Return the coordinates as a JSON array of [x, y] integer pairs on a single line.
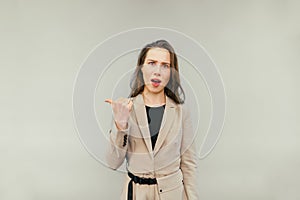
[[153, 131]]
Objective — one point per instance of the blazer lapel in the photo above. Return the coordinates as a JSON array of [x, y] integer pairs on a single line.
[[167, 121], [141, 115]]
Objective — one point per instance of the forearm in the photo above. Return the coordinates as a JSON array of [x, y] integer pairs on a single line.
[[189, 167], [116, 151], [189, 158]]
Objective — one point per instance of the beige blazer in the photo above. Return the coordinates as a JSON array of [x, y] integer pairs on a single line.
[[174, 152]]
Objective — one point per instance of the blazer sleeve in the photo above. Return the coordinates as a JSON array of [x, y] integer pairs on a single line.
[[189, 158], [117, 148]]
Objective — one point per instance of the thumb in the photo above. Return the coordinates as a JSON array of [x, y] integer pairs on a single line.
[[108, 101]]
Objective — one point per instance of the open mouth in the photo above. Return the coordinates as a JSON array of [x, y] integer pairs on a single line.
[[155, 82]]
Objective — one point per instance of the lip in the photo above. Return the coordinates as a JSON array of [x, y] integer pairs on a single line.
[[156, 80]]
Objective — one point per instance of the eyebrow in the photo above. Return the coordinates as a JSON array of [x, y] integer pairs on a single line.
[[149, 59]]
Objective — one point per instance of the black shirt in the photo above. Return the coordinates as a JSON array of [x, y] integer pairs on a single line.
[[154, 115]]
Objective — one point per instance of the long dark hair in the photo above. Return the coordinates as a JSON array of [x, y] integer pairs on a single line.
[[173, 89]]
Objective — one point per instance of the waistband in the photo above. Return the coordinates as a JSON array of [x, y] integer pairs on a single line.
[[139, 180]]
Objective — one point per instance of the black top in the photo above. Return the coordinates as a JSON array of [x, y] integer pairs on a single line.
[[154, 115]]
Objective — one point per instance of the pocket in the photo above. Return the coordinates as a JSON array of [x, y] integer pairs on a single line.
[[171, 186], [174, 194]]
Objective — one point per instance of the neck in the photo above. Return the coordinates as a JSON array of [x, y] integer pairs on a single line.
[[151, 99]]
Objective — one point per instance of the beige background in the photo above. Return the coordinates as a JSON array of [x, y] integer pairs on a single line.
[[256, 45]]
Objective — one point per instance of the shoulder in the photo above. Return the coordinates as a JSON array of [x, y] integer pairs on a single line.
[[186, 113], [185, 108], [137, 99]]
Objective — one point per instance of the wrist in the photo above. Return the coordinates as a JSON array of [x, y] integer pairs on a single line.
[[121, 125]]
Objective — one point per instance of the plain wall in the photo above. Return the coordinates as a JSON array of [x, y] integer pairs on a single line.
[[255, 44]]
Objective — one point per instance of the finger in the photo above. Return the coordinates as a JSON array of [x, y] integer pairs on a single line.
[[123, 101], [108, 101], [129, 105], [129, 100], [126, 101]]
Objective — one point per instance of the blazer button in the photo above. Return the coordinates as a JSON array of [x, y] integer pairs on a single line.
[[160, 190]]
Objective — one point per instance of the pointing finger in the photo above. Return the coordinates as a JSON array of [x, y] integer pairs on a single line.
[[108, 101]]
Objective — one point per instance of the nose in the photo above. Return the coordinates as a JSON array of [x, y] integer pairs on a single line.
[[157, 69]]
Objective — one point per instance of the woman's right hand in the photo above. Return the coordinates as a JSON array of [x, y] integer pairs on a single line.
[[121, 111]]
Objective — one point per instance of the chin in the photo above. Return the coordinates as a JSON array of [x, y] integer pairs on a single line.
[[155, 90]]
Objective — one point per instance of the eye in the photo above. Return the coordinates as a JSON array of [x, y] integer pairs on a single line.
[[151, 63], [165, 66]]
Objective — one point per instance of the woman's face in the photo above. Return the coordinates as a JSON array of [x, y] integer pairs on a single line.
[[156, 70]]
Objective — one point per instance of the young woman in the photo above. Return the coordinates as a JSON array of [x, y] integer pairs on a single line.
[[153, 131]]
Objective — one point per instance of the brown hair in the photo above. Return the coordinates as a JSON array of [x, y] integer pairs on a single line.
[[173, 89]]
